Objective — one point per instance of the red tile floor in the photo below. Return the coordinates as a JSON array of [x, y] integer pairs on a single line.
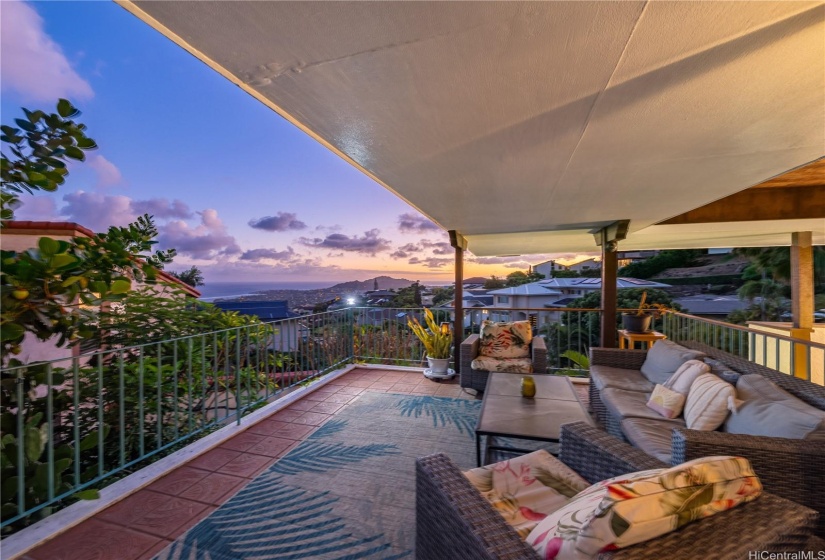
[[141, 525]]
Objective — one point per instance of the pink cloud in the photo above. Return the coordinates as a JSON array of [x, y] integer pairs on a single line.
[[208, 240], [38, 209], [33, 64], [108, 175], [98, 211]]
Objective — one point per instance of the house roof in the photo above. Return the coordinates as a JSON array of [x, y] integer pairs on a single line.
[[710, 304], [552, 286], [526, 126], [45, 229], [264, 310]]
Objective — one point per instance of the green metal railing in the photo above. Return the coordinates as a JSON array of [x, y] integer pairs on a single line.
[[767, 344], [82, 422], [73, 423]]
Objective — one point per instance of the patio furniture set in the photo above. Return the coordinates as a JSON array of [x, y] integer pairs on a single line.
[[777, 426]]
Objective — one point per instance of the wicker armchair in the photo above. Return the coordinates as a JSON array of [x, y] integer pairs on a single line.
[[477, 379], [454, 521]]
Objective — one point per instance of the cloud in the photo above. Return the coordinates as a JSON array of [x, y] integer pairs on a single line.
[[162, 208], [33, 64], [37, 208], [283, 221], [405, 251], [98, 211], [208, 240], [370, 243], [412, 223], [108, 175], [517, 259], [431, 262], [256, 255], [438, 247]]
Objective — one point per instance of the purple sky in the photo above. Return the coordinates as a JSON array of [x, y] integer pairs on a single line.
[[236, 189]]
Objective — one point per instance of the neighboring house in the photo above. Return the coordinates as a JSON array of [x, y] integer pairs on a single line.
[[547, 268], [626, 257], [23, 235], [287, 330], [474, 303], [526, 300], [710, 306], [588, 264]]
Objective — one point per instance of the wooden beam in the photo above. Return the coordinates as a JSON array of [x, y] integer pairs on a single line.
[[759, 203], [802, 280], [608, 238], [460, 244]]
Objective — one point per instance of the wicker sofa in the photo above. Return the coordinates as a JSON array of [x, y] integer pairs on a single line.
[[791, 468], [477, 379], [455, 522]]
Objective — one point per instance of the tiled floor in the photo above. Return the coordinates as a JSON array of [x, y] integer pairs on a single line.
[[141, 525]]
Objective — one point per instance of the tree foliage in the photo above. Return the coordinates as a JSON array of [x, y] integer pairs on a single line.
[[38, 149], [648, 268], [518, 278], [494, 283], [191, 276]]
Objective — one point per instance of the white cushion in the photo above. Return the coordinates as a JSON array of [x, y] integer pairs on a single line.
[[686, 375], [637, 507], [666, 402], [708, 403]]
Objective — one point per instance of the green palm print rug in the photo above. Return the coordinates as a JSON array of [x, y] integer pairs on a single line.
[[347, 492]]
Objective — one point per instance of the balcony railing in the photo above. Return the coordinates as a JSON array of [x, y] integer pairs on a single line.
[[79, 423]]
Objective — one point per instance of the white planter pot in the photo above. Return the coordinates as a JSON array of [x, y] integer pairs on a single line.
[[438, 366]]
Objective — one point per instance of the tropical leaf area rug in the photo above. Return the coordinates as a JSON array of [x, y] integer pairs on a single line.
[[347, 492]]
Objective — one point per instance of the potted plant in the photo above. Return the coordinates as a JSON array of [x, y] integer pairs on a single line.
[[437, 340], [639, 320]]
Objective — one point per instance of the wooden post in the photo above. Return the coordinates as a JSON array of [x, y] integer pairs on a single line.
[[802, 296], [460, 244], [608, 239]]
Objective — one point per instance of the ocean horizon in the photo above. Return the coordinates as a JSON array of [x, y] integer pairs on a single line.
[[216, 290]]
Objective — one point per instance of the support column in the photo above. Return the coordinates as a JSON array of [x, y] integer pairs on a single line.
[[802, 296], [608, 238], [460, 244]]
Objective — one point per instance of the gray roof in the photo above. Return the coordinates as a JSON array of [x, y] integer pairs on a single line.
[[550, 286], [710, 304]]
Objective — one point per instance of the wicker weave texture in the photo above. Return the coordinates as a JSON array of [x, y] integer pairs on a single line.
[[477, 379], [455, 522]]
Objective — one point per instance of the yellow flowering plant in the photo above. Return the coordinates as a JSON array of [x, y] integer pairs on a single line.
[[437, 339]]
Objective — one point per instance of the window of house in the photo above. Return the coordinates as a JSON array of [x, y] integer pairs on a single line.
[[503, 299]]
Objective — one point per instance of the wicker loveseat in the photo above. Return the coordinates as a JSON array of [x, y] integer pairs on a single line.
[[477, 379], [791, 468], [455, 522]]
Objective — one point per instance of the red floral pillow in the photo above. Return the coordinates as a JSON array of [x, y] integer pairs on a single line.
[[505, 340]]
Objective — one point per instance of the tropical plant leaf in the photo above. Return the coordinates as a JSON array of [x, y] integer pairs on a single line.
[[312, 456], [461, 413]]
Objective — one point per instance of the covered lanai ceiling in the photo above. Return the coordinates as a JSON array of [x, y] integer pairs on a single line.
[[525, 126]]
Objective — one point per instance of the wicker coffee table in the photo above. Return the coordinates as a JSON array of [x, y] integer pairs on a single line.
[[505, 413]]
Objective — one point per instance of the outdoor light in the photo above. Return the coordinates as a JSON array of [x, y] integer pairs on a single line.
[[350, 301]]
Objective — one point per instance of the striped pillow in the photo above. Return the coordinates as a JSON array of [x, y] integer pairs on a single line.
[[708, 402], [684, 377]]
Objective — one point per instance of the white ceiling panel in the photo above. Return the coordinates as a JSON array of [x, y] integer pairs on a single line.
[[547, 118]]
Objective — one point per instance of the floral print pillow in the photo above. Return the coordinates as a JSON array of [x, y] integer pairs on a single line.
[[505, 340], [507, 365], [634, 508], [526, 489]]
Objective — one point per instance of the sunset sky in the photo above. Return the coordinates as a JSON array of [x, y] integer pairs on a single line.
[[236, 189]]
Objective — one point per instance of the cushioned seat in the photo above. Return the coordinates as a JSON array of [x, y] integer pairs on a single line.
[[652, 436], [629, 404], [508, 365], [619, 378]]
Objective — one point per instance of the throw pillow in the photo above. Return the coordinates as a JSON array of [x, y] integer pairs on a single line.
[[528, 488], [666, 402], [768, 410], [708, 403], [508, 365], [664, 358], [686, 375], [505, 340], [623, 511]]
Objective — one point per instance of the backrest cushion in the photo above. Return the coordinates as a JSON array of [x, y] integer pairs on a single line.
[[708, 403], [686, 375], [666, 402], [637, 507], [505, 340], [526, 489], [664, 358], [768, 410]]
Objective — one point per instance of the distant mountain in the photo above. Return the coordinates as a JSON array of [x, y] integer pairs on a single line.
[[384, 283], [475, 280]]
